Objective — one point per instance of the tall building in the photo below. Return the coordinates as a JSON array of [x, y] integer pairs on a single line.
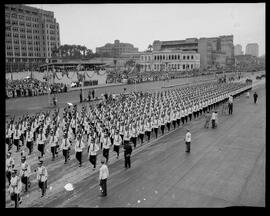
[[252, 49], [214, 52], [31, 34], [116, 49], [238, 50]]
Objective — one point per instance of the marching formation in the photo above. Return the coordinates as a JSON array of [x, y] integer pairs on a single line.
[[106, 127]]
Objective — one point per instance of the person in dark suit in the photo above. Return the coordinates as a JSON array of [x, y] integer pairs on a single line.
[[255, 96], [93, 93], [81, 99], [127, 154]]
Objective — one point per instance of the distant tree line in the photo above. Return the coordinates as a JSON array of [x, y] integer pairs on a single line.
[[67, 51]]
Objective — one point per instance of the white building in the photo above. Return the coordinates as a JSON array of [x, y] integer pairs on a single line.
[[169, 60]]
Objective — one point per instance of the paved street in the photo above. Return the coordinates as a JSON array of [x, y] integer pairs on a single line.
[[226, 167]]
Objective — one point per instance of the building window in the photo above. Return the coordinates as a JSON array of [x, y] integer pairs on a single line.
[[192, 57], [191, 66], [187, 57], [183, 67], [184, 57]]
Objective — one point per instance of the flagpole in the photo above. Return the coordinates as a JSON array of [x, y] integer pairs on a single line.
[[48, 83]]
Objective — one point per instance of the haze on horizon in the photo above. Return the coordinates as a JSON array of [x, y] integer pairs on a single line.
[[94, 25]]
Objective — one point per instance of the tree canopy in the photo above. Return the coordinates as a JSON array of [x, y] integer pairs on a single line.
[[74, 51]]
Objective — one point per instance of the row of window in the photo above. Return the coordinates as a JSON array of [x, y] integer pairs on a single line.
[[170, 67], [23, 48], [20, 16], [25, 54], [16, 29], [167, 57]]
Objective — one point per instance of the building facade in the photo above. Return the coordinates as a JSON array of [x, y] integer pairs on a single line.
[[169, 60], [31, 34], [238, 50], [116, 49], [210, 49], [252, 49]]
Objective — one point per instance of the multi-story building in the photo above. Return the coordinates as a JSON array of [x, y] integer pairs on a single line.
[[238, 50], [31, 34], [116, 49], [169, 60], [252, 49], [213, 49]]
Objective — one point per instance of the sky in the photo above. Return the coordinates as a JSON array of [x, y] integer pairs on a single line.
[[94, 25]]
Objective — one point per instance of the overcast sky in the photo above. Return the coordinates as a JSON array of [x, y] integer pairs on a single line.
[[94, 25]]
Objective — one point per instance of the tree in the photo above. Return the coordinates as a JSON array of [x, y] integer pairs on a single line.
[[75, 51], [150, 48]]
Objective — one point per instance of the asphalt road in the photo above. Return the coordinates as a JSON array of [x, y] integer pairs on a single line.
[[226, 167]]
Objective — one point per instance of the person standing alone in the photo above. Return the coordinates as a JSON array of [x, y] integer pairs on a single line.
[[230, 104], [188, 141], [127, 154], [255, 96], [103, 176]]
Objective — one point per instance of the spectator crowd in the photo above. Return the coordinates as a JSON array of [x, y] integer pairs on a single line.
[[31, 87]]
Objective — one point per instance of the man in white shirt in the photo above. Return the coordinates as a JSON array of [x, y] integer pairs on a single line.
[[25, 173], [29, 140], [15, 188], [103, 176], [214, 119], [106, 146], [117, 143], [79, 148], [188, 141], [65, 146], [41, 138], [42, 176], [10, 164], [92, 154]]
